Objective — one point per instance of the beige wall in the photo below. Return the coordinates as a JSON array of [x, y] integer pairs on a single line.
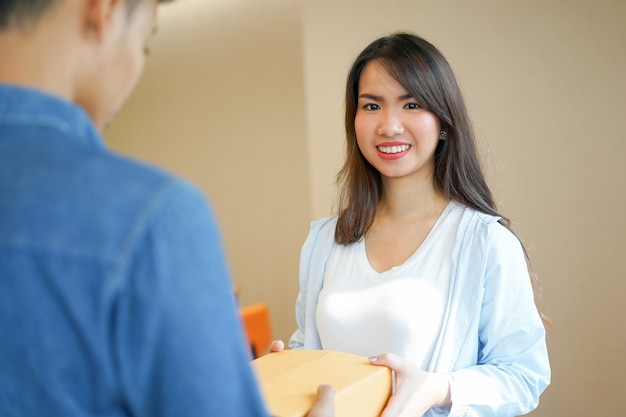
[[245, 98]]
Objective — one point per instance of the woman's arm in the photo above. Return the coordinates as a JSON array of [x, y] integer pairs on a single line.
[[512, 367]]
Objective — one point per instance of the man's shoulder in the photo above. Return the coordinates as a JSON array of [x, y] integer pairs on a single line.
[[93, 201], [136, 190], [124, 180]]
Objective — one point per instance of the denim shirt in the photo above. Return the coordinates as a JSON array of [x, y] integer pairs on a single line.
[[115, 298], [492, 342]]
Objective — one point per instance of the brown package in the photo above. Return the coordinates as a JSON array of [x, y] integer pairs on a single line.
[[289, 382]]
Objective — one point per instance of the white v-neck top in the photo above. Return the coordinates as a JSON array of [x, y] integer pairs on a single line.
[[366, 312]]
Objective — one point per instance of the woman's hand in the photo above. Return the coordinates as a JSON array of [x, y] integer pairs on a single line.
[[416, 390], [276, 346]]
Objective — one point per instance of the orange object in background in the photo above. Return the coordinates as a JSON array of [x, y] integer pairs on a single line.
[[256, 323]]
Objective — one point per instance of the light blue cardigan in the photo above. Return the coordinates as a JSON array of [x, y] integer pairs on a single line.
[[492, 341]]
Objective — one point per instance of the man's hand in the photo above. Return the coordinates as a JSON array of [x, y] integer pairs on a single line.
[[325, 405]]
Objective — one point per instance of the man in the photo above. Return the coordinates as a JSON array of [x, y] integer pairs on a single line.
[[114, 294]]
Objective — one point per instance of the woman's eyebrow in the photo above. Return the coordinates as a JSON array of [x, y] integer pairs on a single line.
[[403, 97], [371, 97]]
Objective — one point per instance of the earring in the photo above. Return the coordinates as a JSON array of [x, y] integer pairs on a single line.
[[443, 134]]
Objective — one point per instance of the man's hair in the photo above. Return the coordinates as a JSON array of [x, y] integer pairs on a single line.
[[20, 12]]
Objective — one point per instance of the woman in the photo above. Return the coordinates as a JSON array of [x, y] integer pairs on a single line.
[[418, 263]]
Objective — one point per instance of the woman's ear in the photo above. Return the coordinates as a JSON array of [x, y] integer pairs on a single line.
[[98, 15]]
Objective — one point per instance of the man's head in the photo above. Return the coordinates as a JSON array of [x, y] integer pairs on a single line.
[[22, 12], [91, 52]]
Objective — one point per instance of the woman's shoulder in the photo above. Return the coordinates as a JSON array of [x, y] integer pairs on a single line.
[[477, 219], [321, 234], [471, 214], [489, 228], [324, 224], [484, 224]]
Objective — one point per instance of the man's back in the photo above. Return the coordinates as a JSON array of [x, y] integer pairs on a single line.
[[113, 286]]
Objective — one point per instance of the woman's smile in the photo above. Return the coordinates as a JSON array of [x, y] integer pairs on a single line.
[[393, 150]]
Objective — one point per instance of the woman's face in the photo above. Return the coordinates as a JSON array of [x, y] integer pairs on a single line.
[[393, 132]]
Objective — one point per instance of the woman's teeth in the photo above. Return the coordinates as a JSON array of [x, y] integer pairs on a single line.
[[393, 149]]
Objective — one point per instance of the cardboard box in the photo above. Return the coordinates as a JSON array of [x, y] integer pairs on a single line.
[[289, 382]]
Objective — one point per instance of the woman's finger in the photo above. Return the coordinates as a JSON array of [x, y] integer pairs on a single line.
[[277, 346], [394, 362]]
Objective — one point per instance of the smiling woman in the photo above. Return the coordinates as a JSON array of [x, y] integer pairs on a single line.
[[390, 125], [418, 270]]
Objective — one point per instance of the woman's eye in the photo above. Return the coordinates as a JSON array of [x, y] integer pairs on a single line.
[[371, 106], [412, 106]]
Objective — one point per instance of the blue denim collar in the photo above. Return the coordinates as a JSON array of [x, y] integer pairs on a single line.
[[23, 106]]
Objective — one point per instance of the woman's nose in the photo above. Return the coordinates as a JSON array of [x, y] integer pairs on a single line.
[[390, 126]]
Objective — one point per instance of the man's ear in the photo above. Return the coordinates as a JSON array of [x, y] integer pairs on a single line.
[[98, 16]]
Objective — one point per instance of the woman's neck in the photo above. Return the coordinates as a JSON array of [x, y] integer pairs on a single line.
[[404, 197]]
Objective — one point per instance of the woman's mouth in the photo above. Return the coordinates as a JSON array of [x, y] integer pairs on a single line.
[[390, 150], [393, 151]]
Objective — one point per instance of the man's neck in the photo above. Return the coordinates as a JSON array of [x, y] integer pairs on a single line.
[[38, 58]]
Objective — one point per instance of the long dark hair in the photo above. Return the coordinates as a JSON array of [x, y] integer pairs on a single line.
[[426, 74]]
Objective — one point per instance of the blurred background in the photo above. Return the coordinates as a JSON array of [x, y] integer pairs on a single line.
[[245, 99]]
